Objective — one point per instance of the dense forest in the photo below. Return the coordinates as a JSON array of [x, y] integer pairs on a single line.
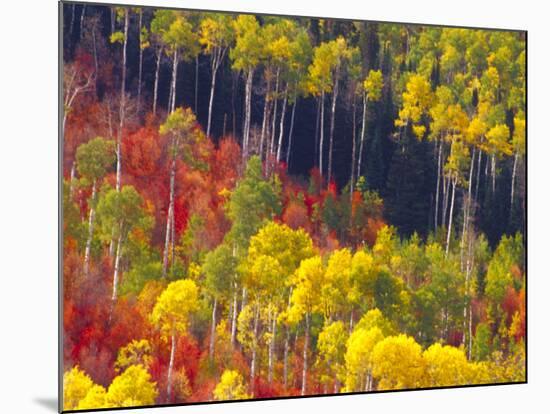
[[259, 206]]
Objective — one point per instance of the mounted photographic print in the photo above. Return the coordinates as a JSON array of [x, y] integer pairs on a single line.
[[258, 207]]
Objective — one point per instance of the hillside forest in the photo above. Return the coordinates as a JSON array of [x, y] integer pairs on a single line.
[[264, 206]]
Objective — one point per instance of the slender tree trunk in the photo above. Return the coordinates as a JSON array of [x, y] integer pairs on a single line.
[[317, 120], [265, 115], [332, 120], [321, 133], [466, 206], [254, 351], [353, 155], [290, 133], [175, 63], [285, 358], [513, 181], [122, 108], [351, 321], [274, 115], [215, 65], [281, 126], [450, 218], [436, 215], [234, 317], [363, 131], [72, 179], [170, 211], [156, 87], [82, 15], [478, 177], [272, 347], [113, 20], [248, 108], [306, 345], [71, 24], [213, 329], [117, 265], [90, 230], [140, 70], [493, 171], [170, 369]]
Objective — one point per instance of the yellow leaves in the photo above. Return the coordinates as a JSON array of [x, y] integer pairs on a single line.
[[230, 387], [497, 140], [373, 85], [117, 37], [174, 305], [360, 346], [179, 122], [398, 363], [132, 388], [417, 99], [135, 353], [216, 32], [94, 399], [76, 384], [518, 139], [446, 366], [308, 280]]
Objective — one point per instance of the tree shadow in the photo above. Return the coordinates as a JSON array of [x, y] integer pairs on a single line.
[[49, 403]]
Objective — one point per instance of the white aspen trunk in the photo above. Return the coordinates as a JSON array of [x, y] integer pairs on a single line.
[[113, 20], [254, 351], [117, 265], [140, 71], [290, 133], [513, 182], [265, 115], [470, 333], [272, 348], [90, 230], [248, 97], [478, 175], [332, 121], [170, 369], [156, 87], [363, 131], [351, 321], [493, 171], [122, 108], [353, 155], [175, 62], [234, 317], [170, 214], [304, 368], [282, 125], [274, 115], [71, 24], [215, 66], [466, 207], [321, 133], [446, 187], [436, 215], [450, 218], [213, 329], [72, 179], [82, 21]]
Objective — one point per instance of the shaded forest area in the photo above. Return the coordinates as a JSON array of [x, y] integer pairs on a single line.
[[260, 206]]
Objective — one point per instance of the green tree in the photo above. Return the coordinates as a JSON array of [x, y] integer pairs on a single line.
[[93, 162]]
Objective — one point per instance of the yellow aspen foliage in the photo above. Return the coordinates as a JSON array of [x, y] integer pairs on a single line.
[[95, 398], [132, 388], [135, 353], [375, 319], [230, 387], [360, 346], [174, 305], [76, 384], [446, 366], [331, 346], [373, 85], [398, 364]]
